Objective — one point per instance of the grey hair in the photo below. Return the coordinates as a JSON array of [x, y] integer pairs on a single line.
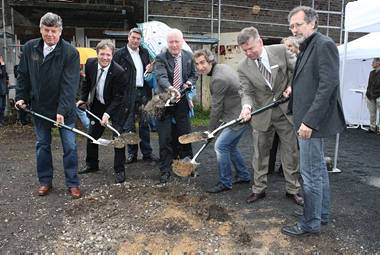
[[310, 14], [292, 39], [175, 31], [209, 56], [106, 43], [135, 30], [246, 34], [51, 20]]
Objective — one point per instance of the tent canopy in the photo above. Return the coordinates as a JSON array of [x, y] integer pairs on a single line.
[[362, 16], [364, 47]]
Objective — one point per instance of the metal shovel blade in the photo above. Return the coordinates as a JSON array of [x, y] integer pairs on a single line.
[[102, 141], [192, 137], [129, 138], [184, 167]]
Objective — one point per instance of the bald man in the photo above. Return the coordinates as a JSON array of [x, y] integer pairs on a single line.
[[175, 71]]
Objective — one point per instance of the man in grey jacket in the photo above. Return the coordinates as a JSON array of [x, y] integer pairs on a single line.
[[318, 113], [225, 106]]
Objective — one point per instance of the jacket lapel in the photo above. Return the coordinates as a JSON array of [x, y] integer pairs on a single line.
[[273, 62], [305, 56]]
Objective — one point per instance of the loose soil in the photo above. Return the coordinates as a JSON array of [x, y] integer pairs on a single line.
[[143, 217]]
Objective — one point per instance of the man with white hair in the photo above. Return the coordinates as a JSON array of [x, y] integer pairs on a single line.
[[175, 72]]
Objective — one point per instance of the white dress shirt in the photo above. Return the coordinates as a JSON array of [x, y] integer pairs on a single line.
[[138, 65], [101, 82], [48, 49]]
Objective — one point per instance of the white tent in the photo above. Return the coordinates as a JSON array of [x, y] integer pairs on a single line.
[[357, 67], [361, 16]]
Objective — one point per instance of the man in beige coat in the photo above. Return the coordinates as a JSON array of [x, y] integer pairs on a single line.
[[265, 75]]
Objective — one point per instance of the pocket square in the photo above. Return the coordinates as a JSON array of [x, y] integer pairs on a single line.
[[273, 67]]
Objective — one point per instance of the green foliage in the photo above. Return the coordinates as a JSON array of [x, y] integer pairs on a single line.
[[201, 117]]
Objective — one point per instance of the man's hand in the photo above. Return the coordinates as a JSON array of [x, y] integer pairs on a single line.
[[105, 120], [304, 131], [245, 114], [149, 67], [287, 92], [60, 119], [81, 104], [175, 92], [2, 60], [187, 85], [20, 104]]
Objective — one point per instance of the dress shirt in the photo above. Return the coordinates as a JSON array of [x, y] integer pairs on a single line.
[[48, 49], [138, 65], [100, 83]]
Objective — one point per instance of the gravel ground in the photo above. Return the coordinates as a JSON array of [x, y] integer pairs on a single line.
[[143, 217]]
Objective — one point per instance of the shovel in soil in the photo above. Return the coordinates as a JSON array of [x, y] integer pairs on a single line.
[[103, 142], [201, 136], [121, 139]]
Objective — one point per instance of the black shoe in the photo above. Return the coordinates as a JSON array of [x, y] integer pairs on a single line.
[[88, 169], [131, 159], [240, 181], [296, 230], [296, 198], [219, 187], [164, 178], [120, 177], [150, 158]]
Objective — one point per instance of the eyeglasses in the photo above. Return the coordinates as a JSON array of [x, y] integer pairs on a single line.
[[296, 25]]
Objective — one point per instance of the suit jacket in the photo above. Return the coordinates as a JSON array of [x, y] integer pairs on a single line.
[[164, 69], [124, 59], [256, 92], [373, 89], [49, 84], [225, 98], [114, 87], [316, 96]]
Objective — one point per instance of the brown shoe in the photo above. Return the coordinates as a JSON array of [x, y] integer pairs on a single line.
[[254, 197], [74, 192], [43, 190], [296, 198]]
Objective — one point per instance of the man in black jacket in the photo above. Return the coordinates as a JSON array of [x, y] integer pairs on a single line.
[[103, 91], [48, 76], [373, 96], [4, 79], [135, 61]]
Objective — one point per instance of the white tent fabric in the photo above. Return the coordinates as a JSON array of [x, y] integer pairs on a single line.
[[362, 16], [357, 67]]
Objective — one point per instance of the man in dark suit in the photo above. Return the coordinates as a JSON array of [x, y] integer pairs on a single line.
[[4, 80], [225, 106], [318, 113], [175, 71], [135, 61], [259, 89], [48, 77], [373, 96], [103, 91]]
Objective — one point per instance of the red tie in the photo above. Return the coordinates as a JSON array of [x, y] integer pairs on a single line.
[[177, 72]]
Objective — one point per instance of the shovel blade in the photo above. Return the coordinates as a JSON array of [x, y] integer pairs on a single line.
[[103, 142], [192, 137], [129, 138], [183, 167]]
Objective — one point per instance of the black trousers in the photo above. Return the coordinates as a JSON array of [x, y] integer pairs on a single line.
[[174, 123], [96, 131]]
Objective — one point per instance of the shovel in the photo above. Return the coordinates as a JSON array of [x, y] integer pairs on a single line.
[[103, 142], [122, 139], [201, 136]]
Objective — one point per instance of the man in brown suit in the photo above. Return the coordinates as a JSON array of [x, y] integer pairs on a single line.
[[265, 75]]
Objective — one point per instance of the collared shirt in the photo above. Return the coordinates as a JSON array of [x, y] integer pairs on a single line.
[[100, 83], [138, 65], [48, 49], [265, 60]]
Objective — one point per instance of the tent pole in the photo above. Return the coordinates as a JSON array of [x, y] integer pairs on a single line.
[[335, 169]]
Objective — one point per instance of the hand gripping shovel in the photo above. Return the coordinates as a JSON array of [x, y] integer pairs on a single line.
[[201, 136], [60, 125], [122, 139]]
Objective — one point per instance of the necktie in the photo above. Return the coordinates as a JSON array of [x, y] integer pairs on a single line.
[[99, 87], [100, 75], [264, 71], [177, 72]]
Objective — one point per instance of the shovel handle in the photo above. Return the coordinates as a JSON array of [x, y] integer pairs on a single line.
[[107, 125], [60, 124], [199, 151], [232, 122]]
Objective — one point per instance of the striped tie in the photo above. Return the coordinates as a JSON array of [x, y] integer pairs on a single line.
[[264, 71], [177, 72]]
